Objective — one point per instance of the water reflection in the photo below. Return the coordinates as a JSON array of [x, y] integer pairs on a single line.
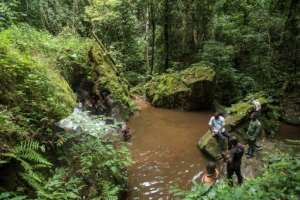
[[165, 152]]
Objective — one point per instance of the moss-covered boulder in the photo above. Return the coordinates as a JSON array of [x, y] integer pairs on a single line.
[[41, 77], [237, 119], [30, 87], [106, 77], [190, 89]]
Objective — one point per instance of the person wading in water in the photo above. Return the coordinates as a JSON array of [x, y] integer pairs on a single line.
[[234, 160], [126, 132], [211, 175], [217, 128]]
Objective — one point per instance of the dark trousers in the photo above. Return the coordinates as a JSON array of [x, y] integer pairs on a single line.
[[221, 140], [234, 169], [251, 148]]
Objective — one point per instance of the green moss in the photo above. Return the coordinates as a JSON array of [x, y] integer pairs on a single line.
[[37, 89], [108, 77], [241, 110], [60, 63], [197, 72], [188, 89], [163, 89], [38, 73]]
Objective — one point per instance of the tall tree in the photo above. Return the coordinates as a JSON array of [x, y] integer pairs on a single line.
[[167, 10]]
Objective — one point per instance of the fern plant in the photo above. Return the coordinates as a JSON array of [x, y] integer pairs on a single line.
[[26, 153]]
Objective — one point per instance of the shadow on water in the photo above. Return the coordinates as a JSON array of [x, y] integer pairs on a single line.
[[164, 150]]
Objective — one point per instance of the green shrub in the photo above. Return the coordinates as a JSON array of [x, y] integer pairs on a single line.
[[280, 180]]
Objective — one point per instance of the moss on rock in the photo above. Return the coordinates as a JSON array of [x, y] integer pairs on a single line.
[[106, 76], [190, 89], [38, 90]]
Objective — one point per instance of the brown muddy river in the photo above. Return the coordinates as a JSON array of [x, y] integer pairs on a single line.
[[164, 148]]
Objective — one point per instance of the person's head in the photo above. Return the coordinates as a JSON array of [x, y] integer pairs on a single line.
[[253, 116], [211, 168], [217, 115], [234, 141]]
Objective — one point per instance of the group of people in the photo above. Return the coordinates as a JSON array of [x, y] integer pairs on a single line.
[[234, 152]]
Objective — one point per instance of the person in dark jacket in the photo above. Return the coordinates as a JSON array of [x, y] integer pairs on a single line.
[[234, 160]]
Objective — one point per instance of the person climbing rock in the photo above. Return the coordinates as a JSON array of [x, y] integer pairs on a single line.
[[126, 132], [217, 128], [252, 134], [234, 160], [211, 175]]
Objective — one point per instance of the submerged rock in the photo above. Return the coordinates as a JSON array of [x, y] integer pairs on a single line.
[[237, 120], [190, 89]]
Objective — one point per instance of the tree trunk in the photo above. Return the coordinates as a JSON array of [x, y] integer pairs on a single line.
[[147, 37], [153, 26], [166, 34]]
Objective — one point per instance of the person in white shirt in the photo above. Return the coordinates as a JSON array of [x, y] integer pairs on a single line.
[[217, 128], [257, 105]]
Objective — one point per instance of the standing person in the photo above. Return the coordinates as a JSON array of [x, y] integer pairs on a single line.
[[217, 128], [235, 160], [252, 134]]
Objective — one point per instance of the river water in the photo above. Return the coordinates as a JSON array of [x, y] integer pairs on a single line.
[[164, 148]]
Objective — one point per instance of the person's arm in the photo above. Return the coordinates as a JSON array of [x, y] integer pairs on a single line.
[[250, 130], [257, 129], [223, 124], [210, 123]]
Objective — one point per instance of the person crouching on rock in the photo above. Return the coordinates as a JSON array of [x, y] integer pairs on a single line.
[[217, 128], [126, 132], [234, 160]]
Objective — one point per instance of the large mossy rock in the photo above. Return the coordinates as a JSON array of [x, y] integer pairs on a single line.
[[105, 76], [32, 88], [190, 89], [237, 118]]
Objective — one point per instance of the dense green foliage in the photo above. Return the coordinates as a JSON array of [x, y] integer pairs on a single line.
[[280, 180], [252, 44], [39, 78], [51, 55]]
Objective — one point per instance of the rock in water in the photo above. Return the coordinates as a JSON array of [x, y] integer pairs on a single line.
[[190, 89], [236, 123]]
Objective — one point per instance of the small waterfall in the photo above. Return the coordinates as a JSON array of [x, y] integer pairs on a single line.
[[99, 126]]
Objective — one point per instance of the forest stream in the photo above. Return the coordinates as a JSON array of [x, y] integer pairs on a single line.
[[164, 151]]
